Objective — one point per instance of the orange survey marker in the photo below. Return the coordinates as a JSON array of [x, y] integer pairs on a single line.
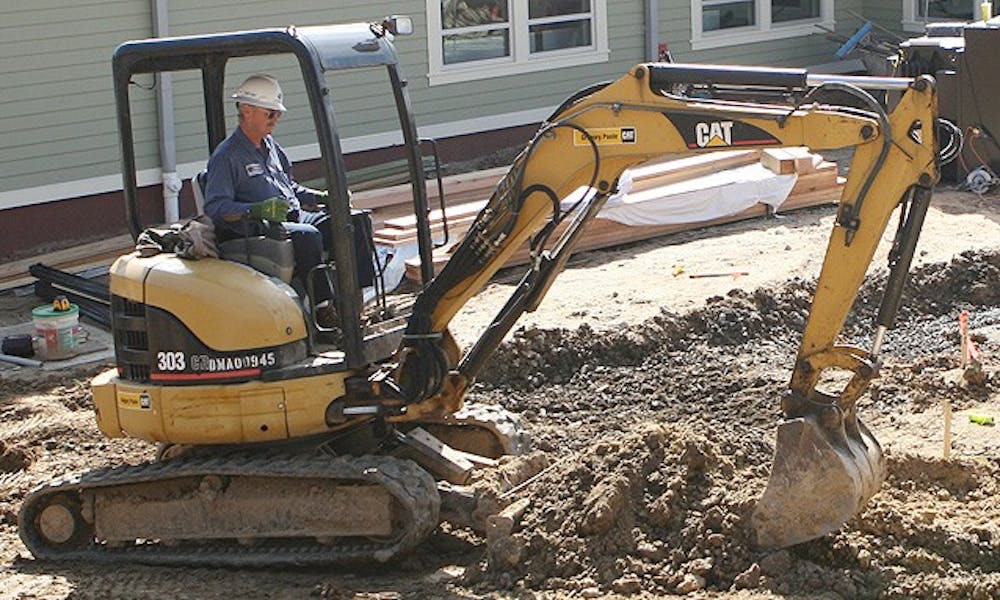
[[970, 354]]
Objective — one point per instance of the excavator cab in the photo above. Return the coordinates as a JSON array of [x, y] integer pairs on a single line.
[[318, 52]]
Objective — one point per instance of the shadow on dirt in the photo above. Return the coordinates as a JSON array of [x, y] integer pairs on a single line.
[[948, 199]]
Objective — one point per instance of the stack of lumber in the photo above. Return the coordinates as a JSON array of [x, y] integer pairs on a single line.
[[817, 183], [459, 189], [395, 203]]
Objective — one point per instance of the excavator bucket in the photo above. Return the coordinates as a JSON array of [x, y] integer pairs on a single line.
[[820, 478]]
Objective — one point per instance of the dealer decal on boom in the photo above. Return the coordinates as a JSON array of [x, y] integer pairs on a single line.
[[708, 131], [605, 136]]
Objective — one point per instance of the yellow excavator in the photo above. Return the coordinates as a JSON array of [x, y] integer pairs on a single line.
[[284, 443]]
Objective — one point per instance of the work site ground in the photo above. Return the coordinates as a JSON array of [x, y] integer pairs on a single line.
[[650, 380]]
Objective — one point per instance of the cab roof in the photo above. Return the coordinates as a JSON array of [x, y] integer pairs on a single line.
[[331, 47]]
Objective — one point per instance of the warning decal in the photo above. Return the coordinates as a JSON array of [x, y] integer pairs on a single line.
[[134, 400]]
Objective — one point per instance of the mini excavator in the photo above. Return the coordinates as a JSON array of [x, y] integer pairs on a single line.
[[282, 443]]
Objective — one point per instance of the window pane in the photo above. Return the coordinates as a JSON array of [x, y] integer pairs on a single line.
[[553, 8], [726, 15], [469, 13], [475, 46], [556, 36], [790, 10], [945, 9]]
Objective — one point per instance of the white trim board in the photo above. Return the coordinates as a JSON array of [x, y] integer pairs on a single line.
[[147, 177]]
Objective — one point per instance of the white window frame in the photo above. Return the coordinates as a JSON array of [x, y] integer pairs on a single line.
[[913, 22], [521, 59], [763, 30]]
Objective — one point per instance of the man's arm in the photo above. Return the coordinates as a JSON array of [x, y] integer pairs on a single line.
[[308, 197]]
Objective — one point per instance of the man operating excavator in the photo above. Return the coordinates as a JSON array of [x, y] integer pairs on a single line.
[[249, 181]]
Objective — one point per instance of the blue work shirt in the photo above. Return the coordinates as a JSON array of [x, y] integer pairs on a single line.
[[241, 174]]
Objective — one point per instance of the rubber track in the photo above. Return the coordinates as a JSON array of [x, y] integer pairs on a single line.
[[503, 422], [413, 488], [500, 422]]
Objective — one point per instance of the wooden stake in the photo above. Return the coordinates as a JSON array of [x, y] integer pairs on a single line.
[[946, 451]]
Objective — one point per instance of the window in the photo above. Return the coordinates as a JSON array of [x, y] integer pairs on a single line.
[[716, 23], [476, 39], [918, 12]]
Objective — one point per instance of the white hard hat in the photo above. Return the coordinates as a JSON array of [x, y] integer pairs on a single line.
[[262, 91]]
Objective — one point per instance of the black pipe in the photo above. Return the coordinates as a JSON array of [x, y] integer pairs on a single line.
[[79, 285], [665, 74]]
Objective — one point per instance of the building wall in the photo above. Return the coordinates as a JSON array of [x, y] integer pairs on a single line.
[[59, 124], [56, 109]]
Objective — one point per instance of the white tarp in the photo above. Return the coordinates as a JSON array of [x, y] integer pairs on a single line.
[[696, 200]]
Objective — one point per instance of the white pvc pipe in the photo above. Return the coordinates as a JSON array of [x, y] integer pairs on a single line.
[[652, 30], [862, 81], [165, 118]]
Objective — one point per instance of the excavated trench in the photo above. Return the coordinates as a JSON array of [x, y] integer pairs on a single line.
[[659, 438]]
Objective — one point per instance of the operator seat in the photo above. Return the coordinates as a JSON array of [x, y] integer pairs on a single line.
[[270, 256]]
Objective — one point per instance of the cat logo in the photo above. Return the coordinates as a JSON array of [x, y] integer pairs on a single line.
[[716, 133], [707, 132]]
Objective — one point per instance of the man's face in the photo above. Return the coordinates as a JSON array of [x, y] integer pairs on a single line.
[[260, 121]]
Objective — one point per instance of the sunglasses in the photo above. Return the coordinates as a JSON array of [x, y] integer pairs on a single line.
[[272, 115]]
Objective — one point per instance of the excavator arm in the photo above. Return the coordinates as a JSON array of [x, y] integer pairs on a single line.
[[826, 464]]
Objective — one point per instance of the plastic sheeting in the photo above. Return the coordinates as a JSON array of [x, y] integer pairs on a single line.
[[696, 200]]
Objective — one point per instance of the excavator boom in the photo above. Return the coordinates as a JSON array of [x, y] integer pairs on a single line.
[[827, 464]]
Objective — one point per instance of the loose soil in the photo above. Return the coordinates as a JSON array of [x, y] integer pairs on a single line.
[[652, 399]]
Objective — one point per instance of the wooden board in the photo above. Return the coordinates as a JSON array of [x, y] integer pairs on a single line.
[[478, 185], [402, 237], [453, 212], [784, 161], [74, 260], [659, 174]]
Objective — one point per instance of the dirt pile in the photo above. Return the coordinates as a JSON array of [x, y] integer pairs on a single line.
[[662, 437], [660, 509]]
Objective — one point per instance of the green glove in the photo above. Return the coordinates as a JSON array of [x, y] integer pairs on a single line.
[[272, 209]]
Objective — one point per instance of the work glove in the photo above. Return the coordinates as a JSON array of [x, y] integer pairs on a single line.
[[272, 209], [197, 239]]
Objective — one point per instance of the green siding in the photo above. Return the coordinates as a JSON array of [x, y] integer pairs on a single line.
[[58, 113], [57, 109]]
